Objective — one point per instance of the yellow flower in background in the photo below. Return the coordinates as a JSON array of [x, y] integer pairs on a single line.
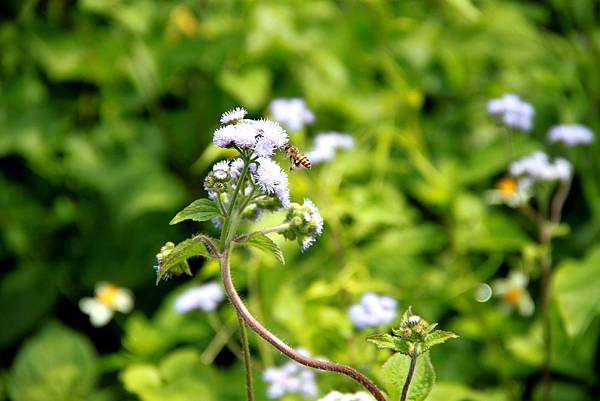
[[108, 299], [513, 291], [182, 23]]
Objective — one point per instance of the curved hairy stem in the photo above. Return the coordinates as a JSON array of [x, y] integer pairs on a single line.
[[272, 339]]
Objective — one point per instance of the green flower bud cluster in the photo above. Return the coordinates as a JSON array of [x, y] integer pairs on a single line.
[[163, 257], [305, 223], [413, 337], [217, 180]]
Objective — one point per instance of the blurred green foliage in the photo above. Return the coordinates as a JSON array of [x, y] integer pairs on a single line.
[[107, 109]]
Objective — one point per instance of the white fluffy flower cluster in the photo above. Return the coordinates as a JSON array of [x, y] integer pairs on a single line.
[[538, 167], [262, 136], [571, 134], [205, 297], [326, 144], [514, 112], [337, 396], [313, 218], [272, 180], [291, 377], [293, 113], [373, 310]]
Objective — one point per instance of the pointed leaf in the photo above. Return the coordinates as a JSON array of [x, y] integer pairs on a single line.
[[176, 261], [198, 210], [387, 341], [261, 241], [437, 337], [395, 371]]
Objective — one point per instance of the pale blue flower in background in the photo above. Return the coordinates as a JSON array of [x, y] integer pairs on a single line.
[[514, 112], [272, 180], [205, 297], [571, 134], [293, 113], [373, 310], [290, 378], [538, 167], [326, 144]]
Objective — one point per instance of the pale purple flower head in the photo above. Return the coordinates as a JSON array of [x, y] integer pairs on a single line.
[[242, 135], [290, 378], [538, 167], [373, 310], [269, 136], [233, 115], [514, 112], [571, 134], [205, 297], [315, 221], [272, 180], [293, 113], [326, 144]]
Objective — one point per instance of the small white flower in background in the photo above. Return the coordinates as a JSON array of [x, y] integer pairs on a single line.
[[272, 180], [538, 167], [205, 297], [290, 378], [373, 310], [571, 134], [514, 112], [108, 299], [293, 113], [337, 396], [233, 115], [313, 218], [326, 144], [513, 291], [510, 191]]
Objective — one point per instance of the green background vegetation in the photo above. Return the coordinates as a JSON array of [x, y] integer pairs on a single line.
[[107, 109]]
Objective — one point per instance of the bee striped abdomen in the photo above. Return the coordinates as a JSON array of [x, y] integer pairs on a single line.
[[297, 158]]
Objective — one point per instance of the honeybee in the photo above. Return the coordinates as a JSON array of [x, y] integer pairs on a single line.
[[297, 159]]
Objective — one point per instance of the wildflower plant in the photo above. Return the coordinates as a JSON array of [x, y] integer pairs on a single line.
[[536, 185], [240, 190]]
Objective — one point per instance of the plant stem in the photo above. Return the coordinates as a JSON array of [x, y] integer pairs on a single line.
[[409, 376], [247, 360], [545, 300], [222, 338], [259, 329]]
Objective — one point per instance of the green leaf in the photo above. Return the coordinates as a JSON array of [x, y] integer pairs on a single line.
[[57, 364], [175, 261], [437, 337], [198, 210], [395, 371], [576, 287], [387, 341], [262, 242]]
